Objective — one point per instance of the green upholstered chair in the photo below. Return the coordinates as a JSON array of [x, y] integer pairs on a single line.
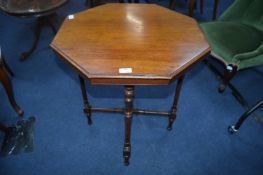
[[236, 38]]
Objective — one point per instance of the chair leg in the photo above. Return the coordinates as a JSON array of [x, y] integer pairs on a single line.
[[234, 128], [215, 9], [202, 7], [229, 73], [191, 7]]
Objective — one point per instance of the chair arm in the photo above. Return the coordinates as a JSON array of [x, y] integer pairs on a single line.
[[250, 59]]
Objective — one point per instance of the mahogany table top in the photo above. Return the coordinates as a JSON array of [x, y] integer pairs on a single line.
[[130, 44]]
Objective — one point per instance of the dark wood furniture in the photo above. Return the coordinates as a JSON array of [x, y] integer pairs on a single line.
[[6, 82], [192, 4], [135, 44], [5, 71], [43, 10]]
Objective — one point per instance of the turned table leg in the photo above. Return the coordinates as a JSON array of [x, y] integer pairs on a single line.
[[129, 94], [172, 115], [87, 107]]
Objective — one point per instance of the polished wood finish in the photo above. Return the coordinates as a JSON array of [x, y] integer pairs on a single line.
[[7, 84], [158, 44]]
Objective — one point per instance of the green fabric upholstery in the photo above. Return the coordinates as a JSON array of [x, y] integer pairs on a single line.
[[237, 38]]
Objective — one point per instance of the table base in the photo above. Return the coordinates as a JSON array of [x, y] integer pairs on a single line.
[[42, 21], [129, 111]]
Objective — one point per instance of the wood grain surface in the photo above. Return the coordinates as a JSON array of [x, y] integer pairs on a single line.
[[156, 43]]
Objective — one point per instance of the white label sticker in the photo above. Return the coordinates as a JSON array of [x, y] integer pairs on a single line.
[[125, 70], [70, 17]]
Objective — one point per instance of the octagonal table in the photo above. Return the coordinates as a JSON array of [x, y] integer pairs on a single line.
[[134, 44]]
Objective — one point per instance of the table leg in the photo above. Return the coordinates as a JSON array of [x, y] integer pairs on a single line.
[[172, 115], [87, 107], [5, 66], [41, 22], [9, 90], [129, 94]]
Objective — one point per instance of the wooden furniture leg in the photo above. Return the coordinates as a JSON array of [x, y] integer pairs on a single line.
[[87, 107], [8, 88], [172, 115], [129, 94], [229, 72], [41, 22]]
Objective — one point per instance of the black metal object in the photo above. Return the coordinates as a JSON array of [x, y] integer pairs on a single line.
[[234, 128], [19, 137], [235, 92]]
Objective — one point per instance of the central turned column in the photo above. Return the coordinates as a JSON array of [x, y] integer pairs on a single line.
[[129, 94]]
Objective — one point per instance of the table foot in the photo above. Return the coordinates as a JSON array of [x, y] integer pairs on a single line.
[[127, 154], [87, 111], [172, 115]]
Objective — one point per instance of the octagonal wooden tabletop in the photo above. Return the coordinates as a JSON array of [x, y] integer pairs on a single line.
[[130, 44]]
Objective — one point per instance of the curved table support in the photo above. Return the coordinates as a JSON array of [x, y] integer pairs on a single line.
[[8, 87], [42, 21]]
